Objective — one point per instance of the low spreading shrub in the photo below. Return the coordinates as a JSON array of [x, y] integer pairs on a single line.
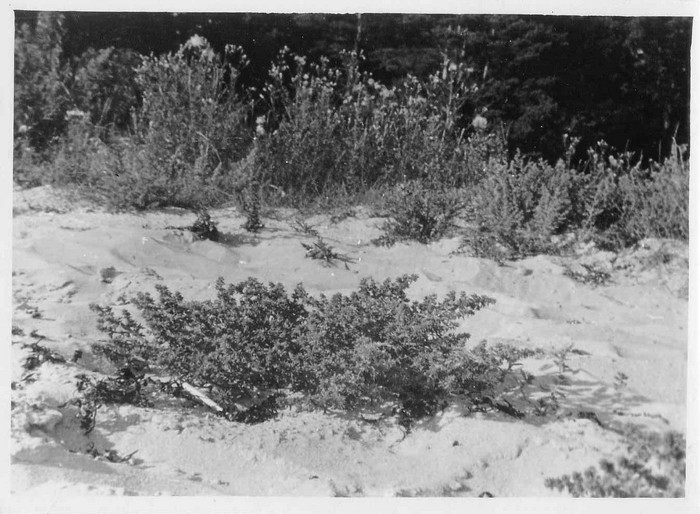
[[653, 467], [256, 341]]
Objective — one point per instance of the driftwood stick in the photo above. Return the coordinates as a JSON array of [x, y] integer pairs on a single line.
[[201, 397]]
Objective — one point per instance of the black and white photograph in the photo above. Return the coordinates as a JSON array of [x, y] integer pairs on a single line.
[[436, 254]]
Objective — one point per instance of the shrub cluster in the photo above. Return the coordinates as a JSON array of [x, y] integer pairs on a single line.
[[332, 128], [345, 351], [624, 203], [654, 467], [132, 131], [520, 204], [179, 129]]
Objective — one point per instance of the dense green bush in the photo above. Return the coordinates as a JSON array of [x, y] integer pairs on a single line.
[[653, 467], [375, 344], [256, 341]]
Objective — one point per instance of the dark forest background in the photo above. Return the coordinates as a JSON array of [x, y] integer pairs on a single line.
[[625, 80]]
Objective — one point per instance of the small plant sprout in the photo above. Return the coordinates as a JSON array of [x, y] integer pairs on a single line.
[[547, 405], [301, 226], [204, 227], [620, 380], [321, 250], [561, 358]]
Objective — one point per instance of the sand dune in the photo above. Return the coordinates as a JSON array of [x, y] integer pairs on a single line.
[[636, 325]]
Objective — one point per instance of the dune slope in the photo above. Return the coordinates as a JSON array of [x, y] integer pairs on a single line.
[[634, 326]]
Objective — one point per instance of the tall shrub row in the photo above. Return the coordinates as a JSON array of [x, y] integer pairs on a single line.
[[338, 127], [179, 129]]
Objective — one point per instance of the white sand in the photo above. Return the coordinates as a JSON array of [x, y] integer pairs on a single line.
[[637, 325]]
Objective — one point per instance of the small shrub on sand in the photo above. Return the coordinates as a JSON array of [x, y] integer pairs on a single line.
[[421, 211], [107, 275], [654, 467], [251, 206], [302, 227], [257, 342], [321, 250], [204, 227], [591, 274], [518, 206]]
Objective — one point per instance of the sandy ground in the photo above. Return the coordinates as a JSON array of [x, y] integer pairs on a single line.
[[635, 325]]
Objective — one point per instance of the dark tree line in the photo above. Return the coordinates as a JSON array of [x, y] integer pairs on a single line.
[[625, 80]]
